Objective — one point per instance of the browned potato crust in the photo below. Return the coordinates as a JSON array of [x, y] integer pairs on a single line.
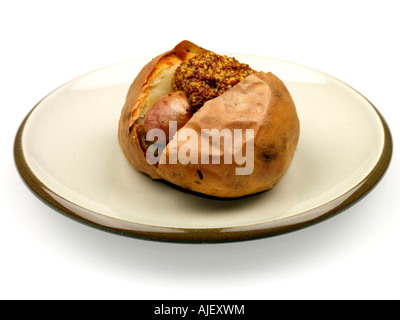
[[260, 102], [128, 130]]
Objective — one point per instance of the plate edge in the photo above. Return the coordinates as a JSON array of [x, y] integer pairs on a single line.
[[204, 235]]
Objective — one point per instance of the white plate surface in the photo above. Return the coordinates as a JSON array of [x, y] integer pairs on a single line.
[[67, 152]]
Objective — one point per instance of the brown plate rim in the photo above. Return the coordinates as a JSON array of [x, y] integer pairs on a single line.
[[201, 235]]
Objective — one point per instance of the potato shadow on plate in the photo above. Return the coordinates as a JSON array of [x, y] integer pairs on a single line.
[[214, 205]]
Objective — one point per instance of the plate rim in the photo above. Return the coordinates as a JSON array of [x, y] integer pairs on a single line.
[[202, 235]]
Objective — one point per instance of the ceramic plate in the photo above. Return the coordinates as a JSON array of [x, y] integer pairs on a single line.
[[67, 152]]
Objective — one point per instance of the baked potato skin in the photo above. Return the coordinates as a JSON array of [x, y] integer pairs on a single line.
[[260, 102], [128, 130]]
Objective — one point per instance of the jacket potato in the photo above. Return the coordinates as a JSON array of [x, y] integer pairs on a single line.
[[229, 130]]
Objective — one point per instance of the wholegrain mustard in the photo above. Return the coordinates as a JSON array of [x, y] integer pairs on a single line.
[[208, 75]]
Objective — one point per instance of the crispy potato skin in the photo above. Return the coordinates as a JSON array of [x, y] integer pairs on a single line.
[[260, 102], [128, 131]]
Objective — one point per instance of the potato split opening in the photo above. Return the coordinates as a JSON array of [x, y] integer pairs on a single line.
[[159, 86]]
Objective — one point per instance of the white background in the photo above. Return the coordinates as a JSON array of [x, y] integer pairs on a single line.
[[44, 255]]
